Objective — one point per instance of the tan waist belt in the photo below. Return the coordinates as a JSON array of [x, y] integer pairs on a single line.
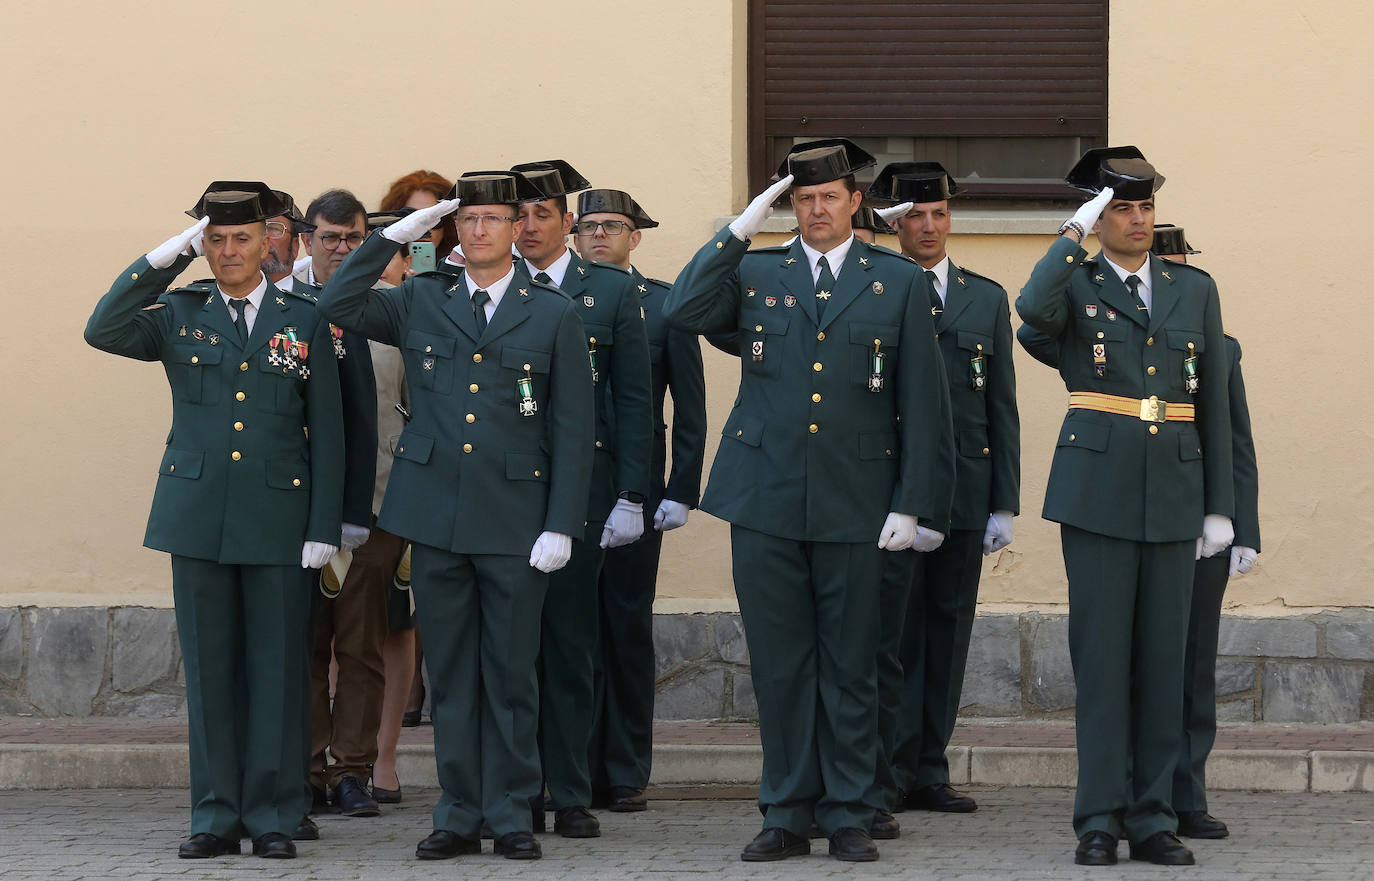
[[1150, 409]]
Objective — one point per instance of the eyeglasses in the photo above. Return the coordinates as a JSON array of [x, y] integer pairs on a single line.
[[609, 227], [332, 240], [488, 221], [276, 229]]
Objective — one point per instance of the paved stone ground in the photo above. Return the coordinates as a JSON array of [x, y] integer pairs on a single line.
[[1017, 835]]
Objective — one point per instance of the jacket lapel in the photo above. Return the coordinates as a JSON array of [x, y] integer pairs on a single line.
[[1113, 292], [957, 298], [514, 306], [1164, 293], [458, 307], [850, 282], [272, 317], [795, 272], [214, 315]]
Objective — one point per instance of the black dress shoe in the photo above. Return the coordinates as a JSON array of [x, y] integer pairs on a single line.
[[1096, 849], [1200, 824], [352, 800], [576, 822], [1162, 849], [775, 844], [941, 797], [319, 801], [884, 826], [627, 800], [442, 844], [306, 830], [274, 846], [517, 846], [387, 796], [410, 719], [203, 845], [853, 845], [899, 807], [538, 822]]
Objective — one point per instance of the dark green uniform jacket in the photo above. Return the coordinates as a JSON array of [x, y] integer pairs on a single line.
[[809, 453], [1119, 475], [677, 368], [987, 428], [1246, 521], [471, 474], [605, 298], [254, 461]]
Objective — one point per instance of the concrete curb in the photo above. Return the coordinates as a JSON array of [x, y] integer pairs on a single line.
[[155, 766]]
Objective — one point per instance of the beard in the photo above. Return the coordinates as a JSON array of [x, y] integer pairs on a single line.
[[276, 265]]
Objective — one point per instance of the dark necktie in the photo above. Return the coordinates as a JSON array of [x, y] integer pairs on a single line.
[[1133, 282], [479, 309], [825, 283], [240, 320], [936, 304], [543, 277]]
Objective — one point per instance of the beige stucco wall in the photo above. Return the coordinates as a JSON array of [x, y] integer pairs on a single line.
[[117, 118]]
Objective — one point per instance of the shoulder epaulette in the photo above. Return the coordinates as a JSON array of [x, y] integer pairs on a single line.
[[966, 271], [660, 282], [309, 298], [1229, 335], [885, 250], [771, 249], [547, 288], [199, 287], [600, 265], [1191, 268]]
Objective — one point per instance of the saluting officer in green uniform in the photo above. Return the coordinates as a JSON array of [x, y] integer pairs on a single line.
[[1141, 485], [604, 296], [608, 229], [489, 484], [249, 492], [817, 478], [929, 600]]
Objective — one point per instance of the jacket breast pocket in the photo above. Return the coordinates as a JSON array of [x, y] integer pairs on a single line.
[[600, 342], [873, 350], [761, 342], [978, 349], [280, 374], [1101, 345], [429, 360], [187, 369], [1182, 345]]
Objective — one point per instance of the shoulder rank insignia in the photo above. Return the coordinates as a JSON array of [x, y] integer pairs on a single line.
[[1167, 275], [210, 299], [281, 301], [791, 260], [456, 285], [961, 279], [523, 292], [863, 261], [642, 289]]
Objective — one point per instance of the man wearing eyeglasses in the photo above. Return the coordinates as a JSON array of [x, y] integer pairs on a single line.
[[351, 626], [618, 350], [608, 229], [489, 484]]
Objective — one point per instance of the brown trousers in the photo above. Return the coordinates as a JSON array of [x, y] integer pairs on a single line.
[[352, 625]]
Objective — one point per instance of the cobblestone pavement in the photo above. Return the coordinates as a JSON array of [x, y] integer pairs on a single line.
[[1019, 833]]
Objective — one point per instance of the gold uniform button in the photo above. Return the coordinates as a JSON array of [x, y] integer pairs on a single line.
[[887, 452], [598, 445], [1150, 341], [477, 358], [467, 448], [814, 428], [1150, 370], [536, 472], [240, 396], [1154, 429], [195, 359], [816, 398], [134, 276], [739, 433], [236, 455], [1100, 334], [986, 451], [821, 336], [758, 327], [1073, 437], [243, 366], [171, 468], [429, 348], [816, 367], [719, 245], [473, 388], [1068, 259], [471, 418], [238, 426], [295, 481]]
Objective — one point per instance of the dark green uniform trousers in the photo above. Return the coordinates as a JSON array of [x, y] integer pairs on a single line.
[[567, 664], [242, 630], [1200, 683], [926, 627], [1128, 620], [479, 615], [623, 738], [810, 613]]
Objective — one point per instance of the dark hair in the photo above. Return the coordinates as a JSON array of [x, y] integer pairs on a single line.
[[849, 183], [562, 203], [335, 206]]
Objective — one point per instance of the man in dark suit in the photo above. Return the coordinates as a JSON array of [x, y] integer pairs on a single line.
[[249, 492], [929, 600], [1141, 485], [609, 228], [817, 480], [489, 484], [618, 350]]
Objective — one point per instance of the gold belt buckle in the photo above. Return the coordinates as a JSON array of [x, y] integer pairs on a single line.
[[1152, 409]]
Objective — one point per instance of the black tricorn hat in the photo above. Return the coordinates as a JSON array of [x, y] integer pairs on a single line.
[[553, 177], [819, 162], [238, 202], [1169, 240], [1124, 169], [913, 182], [867, 218], [495, 188], [293, 211], [614, 202], [381, 219]]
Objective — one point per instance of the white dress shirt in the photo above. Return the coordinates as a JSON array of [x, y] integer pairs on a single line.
[[1143, 273], [835, 257], [557, 270], [941, 283], [250, 312], [496, 290]]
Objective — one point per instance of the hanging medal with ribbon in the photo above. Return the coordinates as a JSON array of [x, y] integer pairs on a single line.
[[525, 386], [274, 357], [977, 366], [591, 355], [1190, 377], [337, 333], [875, 378]]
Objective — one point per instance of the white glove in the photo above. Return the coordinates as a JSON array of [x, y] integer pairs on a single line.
[[417, 223], [890, 214], [354, 536], [315, 554], [302, 264], [751, 219], [898, 532], [1091, 210], [1217, 535], [927, 540], [624, 525], [1242, 560], [184, 242], [551, 551], [998, 533], [670, 515]]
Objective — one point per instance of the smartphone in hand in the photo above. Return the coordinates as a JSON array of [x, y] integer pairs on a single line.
[[421, 257]]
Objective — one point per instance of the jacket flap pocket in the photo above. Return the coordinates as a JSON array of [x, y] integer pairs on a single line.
[[878, 445], [862, 334], [765, 324], [516, 358], [527, 466], [974, 442], [743, 428], [601, 333], [1088, 435], [288, 472], [182, 463], [1101, 330], [431, 343], [414, 447], [1180, 339], [1189, 446], [971, 340], [196, 356]]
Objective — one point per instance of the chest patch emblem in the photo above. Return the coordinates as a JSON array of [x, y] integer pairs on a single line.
[[589, 302], [1090, 310], [770, 301], [878, 288], [789, 301]]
